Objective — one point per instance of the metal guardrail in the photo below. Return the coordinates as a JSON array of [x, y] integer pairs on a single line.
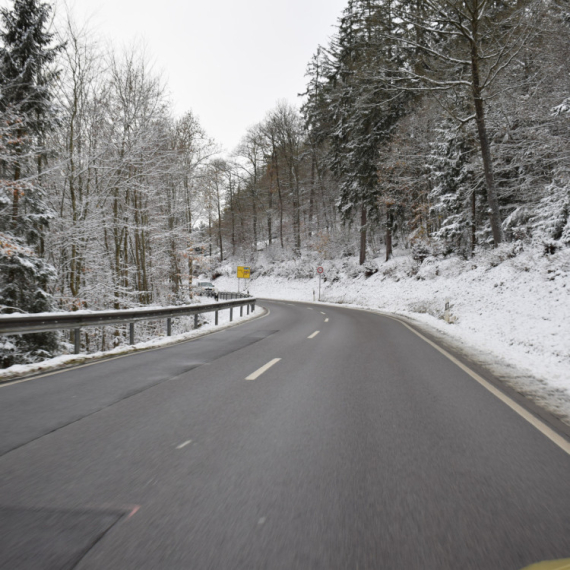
[[227, 295], [29, 323]]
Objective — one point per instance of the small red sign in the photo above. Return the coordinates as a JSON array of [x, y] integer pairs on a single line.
[[320, 270]]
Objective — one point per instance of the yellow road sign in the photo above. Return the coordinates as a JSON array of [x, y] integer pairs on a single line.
[[243, 272]]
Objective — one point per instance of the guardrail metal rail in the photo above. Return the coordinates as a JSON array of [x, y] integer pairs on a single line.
[[227, 295], [29, 323]]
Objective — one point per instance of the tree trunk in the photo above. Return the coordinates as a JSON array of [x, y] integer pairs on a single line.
[[485, 149], [254, 211], [389, 223], [294, 181], [280, 195], [16, 196], [363, 220], [233, 219], [210, 232], [473, 221], [189, 229], [269, 214], [312, 194], [220, 224]]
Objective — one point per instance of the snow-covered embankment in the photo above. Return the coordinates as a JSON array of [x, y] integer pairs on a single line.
[[511, 313]]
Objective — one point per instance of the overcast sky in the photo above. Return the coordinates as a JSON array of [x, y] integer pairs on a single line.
[[229, 61]]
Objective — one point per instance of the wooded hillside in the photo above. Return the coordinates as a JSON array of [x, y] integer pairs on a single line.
[[440, 126]]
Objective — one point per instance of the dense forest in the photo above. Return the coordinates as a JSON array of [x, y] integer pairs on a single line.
[[439, 126]]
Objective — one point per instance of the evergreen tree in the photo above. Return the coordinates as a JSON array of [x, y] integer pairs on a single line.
[[461, 50], [453, 197], [27, 114], [363, 108]]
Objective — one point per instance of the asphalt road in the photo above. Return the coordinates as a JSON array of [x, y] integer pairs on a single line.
[[363, 447]]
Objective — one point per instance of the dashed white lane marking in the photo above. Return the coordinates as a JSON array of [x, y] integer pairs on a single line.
[[9, 383], [184, 444], [314, 334], [264, 368], [261, 520], [326, 320], [323, 313], [310, 309]]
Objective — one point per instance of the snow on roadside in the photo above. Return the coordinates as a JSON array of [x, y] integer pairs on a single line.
[[512, 311], [19, 370]]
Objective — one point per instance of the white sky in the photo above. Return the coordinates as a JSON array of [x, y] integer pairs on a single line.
[[229, 61]]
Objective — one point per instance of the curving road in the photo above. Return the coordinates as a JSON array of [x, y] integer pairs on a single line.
[[362, 447]]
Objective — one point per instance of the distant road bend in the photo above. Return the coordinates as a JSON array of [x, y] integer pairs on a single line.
[[312, 438]]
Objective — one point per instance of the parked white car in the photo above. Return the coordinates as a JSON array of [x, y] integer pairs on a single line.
[[205, 288]]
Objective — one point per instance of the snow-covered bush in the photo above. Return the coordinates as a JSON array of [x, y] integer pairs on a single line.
[[551, 218], [421, 251]]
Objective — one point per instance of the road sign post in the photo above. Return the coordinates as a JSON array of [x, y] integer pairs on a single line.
[[243, 272], [320, 271]]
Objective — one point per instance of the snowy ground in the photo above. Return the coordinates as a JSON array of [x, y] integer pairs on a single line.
[[179, 324], [511, 312]]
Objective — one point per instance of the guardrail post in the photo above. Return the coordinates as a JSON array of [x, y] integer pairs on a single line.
[[241, 310], [168, 326], [252, 307], [248, 308], [77, 340], [196, 321], [131, 333], [231, 314], [216, 319]]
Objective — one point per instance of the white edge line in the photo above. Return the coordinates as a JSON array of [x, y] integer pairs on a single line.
[[530, 418], [263, 369], [558, 440], [7, 383], [314, 334]]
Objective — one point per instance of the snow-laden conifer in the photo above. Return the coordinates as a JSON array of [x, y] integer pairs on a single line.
[[27, 115]]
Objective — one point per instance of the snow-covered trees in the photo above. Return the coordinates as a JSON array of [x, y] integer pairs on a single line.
[[275, 200], [129, 186], [27, 116], [364, 109], [437, 122], [488, 73], [119, 179], [438, 125]]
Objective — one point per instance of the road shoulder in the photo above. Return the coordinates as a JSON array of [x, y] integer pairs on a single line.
[[23, 373]]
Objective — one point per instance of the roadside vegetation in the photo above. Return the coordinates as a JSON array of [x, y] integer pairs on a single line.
[[437, 130]]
